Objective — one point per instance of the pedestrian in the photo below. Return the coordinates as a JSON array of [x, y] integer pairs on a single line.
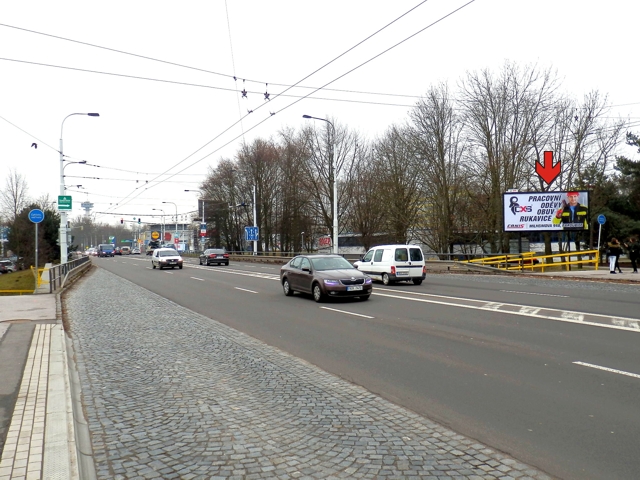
[[615, 249], [633, 247]]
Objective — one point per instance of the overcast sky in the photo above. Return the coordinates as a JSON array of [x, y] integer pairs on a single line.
[[150, 126]]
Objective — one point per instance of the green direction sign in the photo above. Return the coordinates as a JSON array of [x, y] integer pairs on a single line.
[[64, 202]]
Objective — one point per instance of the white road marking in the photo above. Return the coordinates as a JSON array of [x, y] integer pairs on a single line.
[[524, 310], [606, 369], [578, 317], [196, 278], [244, 290], [532, 293], [348, 313], [170, 273], [629, 323]]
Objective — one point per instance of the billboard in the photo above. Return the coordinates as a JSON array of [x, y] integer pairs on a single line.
[[545, 211]]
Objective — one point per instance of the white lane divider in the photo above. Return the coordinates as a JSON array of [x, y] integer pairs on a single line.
[[348, 313], [607, 369], [592, 319], [532, 293], [244, 290], [196, 278]]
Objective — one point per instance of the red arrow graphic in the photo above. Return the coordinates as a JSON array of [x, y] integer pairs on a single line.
[[549, 171]]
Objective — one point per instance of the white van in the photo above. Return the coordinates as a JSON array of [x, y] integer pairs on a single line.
[[394, 263]]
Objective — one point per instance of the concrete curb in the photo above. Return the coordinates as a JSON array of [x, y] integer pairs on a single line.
[[82, 454]]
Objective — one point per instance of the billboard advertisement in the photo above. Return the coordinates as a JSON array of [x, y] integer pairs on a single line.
[[545, 211]]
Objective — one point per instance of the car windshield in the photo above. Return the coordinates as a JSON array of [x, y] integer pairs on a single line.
[[215, 250], [106, 247], [166, 253], [330, 263]]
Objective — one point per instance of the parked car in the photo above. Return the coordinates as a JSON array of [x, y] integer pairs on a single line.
[[165, 258], [105, 250], [394, 263], [324, 276], [8, 266], [219, 256]]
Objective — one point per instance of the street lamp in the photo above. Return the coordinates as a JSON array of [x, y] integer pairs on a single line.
[[176, 232], [334, 179], [301, 241], [63, 213], [163, 215]]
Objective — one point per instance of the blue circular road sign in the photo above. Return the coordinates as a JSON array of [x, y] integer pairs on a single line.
[[36, 215], [602, 219]]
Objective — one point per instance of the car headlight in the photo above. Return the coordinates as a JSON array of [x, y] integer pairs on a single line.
[[367, 281], [331, 282]]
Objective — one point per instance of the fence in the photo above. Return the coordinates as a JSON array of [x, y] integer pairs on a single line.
[[58, 274], [531, 261]]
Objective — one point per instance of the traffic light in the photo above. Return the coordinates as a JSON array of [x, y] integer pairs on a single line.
[[138, 220], [121, 221]]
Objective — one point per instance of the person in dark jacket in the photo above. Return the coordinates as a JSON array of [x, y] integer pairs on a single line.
[[633, 247], [615, 250]]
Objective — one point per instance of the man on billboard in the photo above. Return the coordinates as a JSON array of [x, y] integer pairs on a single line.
[[572, 215]]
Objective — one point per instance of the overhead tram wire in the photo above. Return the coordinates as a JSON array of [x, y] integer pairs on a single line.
[[303, 79], [233, 76], [328, 83]]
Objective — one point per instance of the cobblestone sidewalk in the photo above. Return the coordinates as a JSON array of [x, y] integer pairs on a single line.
[[171, 394]]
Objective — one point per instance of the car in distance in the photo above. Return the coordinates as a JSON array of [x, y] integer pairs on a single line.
[[219, 256], [135, 251], [105, 250], [117, 251], [166, 258], [324, 276]]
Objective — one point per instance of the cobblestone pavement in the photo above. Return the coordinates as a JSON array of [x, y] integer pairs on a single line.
[[171, 394]]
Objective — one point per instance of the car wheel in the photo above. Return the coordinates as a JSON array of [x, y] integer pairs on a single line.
[[180, 267], [286, 287], [200, 261], [160, 267], [317, 293], [385, 279], [227, 264], [153, 265], [366, 297], [417, 281]]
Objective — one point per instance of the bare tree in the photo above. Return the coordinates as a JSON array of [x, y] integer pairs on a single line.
[[502, 114], [398, 186], [14, 195], [436, 135]]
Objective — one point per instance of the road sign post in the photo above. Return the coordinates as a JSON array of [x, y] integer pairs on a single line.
[[601, 221], [36, 216]]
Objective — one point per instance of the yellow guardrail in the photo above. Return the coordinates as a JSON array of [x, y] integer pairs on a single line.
[[533, 261], [38, 276]]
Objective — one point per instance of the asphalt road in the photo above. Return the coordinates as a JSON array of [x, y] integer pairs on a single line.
[[493, 358]]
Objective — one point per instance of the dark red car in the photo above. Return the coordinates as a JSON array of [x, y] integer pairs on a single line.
[[219, 256]]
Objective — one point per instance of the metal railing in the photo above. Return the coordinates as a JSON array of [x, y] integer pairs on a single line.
[[532, 261], [58, 274]]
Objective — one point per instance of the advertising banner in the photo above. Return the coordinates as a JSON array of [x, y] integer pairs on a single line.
[[545, 211]]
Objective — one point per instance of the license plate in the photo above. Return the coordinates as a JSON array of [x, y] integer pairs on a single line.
[[352, 289], [400, 274]]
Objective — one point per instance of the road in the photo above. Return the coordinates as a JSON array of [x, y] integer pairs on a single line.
[[536, 368]]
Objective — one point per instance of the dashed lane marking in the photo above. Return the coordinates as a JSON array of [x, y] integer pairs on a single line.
[[533, 293], [607, 369], [348, 313], [244, 290]]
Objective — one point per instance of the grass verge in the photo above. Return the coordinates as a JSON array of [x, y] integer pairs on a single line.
[[21, 280]]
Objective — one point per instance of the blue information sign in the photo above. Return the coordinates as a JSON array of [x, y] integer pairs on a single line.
[[36, 215], [251, 234], [602, 219]]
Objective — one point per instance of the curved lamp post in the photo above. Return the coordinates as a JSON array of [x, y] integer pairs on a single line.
[[334, 179], [63, 213], [176, 232], [163, 215]]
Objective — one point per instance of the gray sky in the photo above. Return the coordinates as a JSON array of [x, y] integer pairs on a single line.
[[151, 127]]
